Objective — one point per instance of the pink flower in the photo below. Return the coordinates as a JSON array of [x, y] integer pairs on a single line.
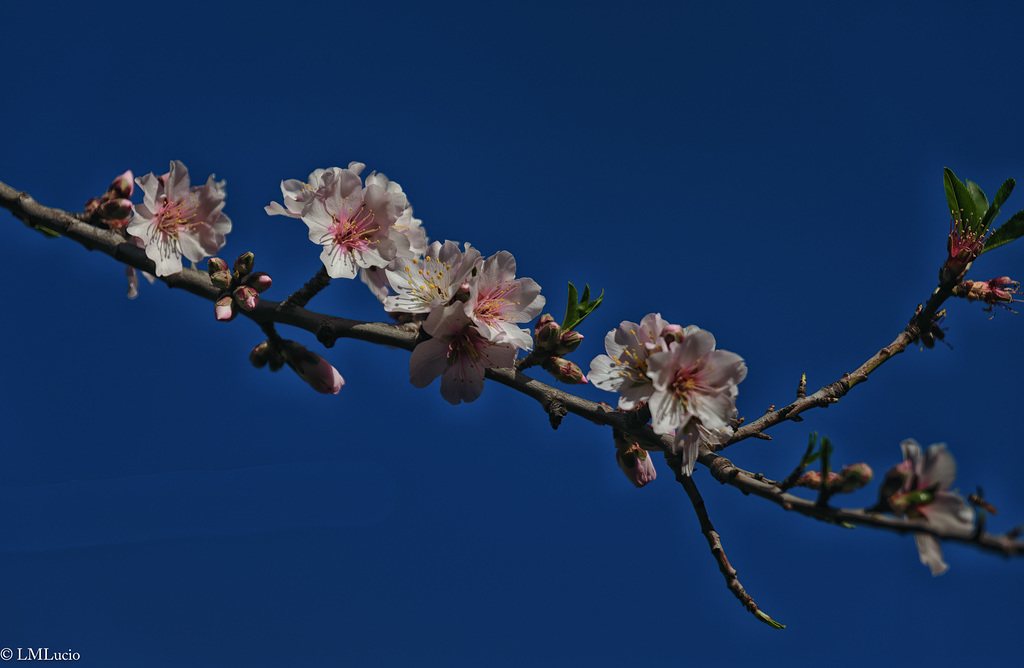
[[175, 219], [354, 223], [624, 368], [425, 284], [298, 194], [918, 488], [499, 300], [694, 391], [459, 353]]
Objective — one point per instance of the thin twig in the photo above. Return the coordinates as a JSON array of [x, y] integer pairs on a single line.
[[732, 580]]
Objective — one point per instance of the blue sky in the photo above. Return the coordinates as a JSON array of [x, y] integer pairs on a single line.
[[771, 174]]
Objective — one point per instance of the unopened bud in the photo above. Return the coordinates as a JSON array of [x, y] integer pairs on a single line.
[[564, 370], [258, 355], [92, 205], [220, 275], [462, 294], [852, 477], [224, 309], [258, 281], [568, 342], [246, 297], [244, 263], [636, 463], [315, 370], [116, 209], [122, 187], [672, 333], [546, 333]]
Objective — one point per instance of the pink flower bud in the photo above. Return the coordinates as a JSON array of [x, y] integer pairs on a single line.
[[122, 187], [258, 281], [546, 333], [224, 309], [312, 368], [220, 275], [116, 209], [564, 370], [672, 333], [568, 342], [244, 263], [636, 463], [246, 297], [852, 477]]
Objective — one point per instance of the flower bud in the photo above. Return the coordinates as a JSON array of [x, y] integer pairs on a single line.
[[116, 209], [564, 370], [852, 477], [258, 355], [121, 187], [244, 263], [546, 333], [568, 342], [224, 309], [312, 368], [92, 205], [219, 273], [636, 463], [672, 333], [246, 297], [258, 281], [461, 295]]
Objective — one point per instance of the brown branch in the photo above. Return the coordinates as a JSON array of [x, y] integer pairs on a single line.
[[329, 329], [732, 580]]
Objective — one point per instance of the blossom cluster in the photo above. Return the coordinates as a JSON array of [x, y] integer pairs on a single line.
[[689, 386], [470, 306]]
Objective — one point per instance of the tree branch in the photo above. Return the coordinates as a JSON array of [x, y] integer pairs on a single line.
[[329, 329]]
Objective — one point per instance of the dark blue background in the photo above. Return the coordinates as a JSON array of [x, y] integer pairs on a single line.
[[769, 172]]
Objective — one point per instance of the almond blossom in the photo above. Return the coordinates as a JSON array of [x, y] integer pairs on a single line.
[[353, 223], [694, 391], [918, 488], [498, 300], [624, 368], [175, 219], [425, 284], [459, 353]]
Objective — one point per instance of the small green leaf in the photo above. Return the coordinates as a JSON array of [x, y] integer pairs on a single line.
[[978, 196], [997, 201], [960, 200], [768, 620], [579, 308], [1007, 232], [47, 232]]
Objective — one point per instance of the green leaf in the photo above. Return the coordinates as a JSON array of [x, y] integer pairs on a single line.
[[960, 200], [997, 201], [578, 308], [1007, 232], [978, 196]]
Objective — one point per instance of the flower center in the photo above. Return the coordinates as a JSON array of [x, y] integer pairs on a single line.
[[354, 231], [173, 216]]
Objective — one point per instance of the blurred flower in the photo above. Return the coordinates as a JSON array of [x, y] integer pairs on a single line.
[[918, 488], [175, 219]]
